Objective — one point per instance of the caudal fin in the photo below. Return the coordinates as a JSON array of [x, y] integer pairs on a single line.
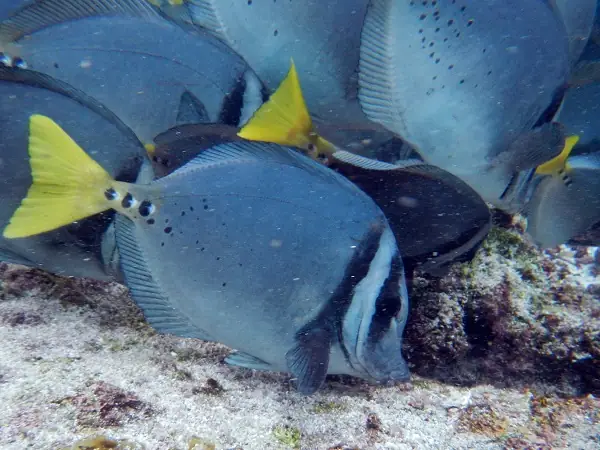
[[67, 185], [284, 119]]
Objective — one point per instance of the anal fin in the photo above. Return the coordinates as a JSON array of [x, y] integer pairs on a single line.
[[242, 359], [308, 360], [157, 308]]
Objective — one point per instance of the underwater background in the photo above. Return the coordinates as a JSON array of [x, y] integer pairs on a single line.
[[502, 338]]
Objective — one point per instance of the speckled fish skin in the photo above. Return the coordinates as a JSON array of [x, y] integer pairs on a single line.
[[245, 257], [152, 74], [323, 38], [75, 250], [462, 80]]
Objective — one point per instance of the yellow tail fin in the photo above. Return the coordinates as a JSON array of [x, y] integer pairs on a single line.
[[284, 119], [67, 185], [559, 163]]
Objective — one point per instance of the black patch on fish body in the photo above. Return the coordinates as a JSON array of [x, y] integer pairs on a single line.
[[388, 303], [233, 103], [356, 270], [549, 113]]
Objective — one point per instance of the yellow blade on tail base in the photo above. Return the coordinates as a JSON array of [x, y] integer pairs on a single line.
[[559, 163], [67, 185], [284, 119]]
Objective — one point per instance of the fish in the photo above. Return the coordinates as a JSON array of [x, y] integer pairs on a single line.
[[465, 83], [410, 192], [85, 248], [565, 204], [152, 73], [578, 18], [323, 39], [230, 248]]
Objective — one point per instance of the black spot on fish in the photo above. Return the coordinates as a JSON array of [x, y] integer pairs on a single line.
[[249, 2], [111, 194], [182, 213], [192, 208], [150, 221], [451, 66], [275, 33], [423, 16], [450, 22], [224, 284], [166, 220], [168, 230], [218, 258], [162, 244], [470, 22], [56, 65], [462, 82], [127, 201], [202, 249], [145, 208], [205, 206]]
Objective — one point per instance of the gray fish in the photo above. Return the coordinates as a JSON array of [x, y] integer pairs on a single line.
[[322, 38], [578, 17], [464, 82], [84, 248], [231, 248], [152, 74], [410, 194], [566, 204]]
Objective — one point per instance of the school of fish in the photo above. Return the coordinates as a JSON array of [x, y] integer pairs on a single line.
[[268, 175]]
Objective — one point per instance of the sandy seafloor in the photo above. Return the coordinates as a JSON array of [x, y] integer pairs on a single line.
[[77, 359]]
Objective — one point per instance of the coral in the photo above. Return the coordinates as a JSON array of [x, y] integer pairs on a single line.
[[197, 443], [482, 419], [512, 316], [287, 436], [103, 443], [105, 405]]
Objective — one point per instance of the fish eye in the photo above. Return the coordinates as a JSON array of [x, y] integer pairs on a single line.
[[111, 194], [146, 208]]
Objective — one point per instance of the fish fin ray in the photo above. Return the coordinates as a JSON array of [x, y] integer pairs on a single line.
[[373, 164], [204, 14], [375, 80], [68, 185], [236, 152], [308, 360], [157, 309], [248, 361], [39, 14]]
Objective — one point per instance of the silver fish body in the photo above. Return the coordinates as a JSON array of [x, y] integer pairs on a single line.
[[462, 81], [564, 208], [152, 74], [79, 249], [275, 256], [323, 38]]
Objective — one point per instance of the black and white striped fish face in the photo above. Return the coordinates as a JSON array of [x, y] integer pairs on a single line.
[[372, 328]]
